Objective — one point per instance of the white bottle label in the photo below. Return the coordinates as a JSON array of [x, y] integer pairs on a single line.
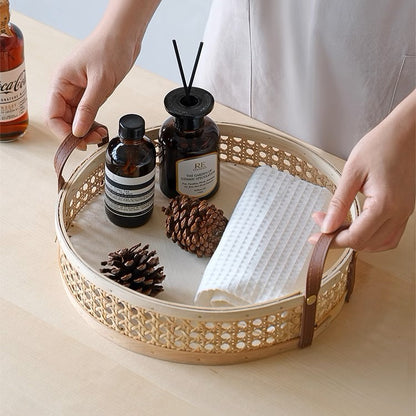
[[13, 97], [197, 176], [129, 197]]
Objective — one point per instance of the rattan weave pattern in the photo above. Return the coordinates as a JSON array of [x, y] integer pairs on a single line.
[[248, 152], [193, 335], [177, 333]]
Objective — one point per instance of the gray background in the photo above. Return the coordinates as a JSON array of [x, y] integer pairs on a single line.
[[78, 18]]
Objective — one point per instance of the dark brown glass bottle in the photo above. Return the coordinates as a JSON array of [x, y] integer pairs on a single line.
[[130, 168], [13, 97], [189, 146]]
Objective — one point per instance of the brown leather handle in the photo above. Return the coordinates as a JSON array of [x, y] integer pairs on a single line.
[[313, 285], [65, 149]]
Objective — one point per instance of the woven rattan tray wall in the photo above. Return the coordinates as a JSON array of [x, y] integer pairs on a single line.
[[185, 333]]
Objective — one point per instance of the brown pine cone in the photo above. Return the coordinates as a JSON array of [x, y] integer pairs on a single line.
[[194, 224], [135, 268]]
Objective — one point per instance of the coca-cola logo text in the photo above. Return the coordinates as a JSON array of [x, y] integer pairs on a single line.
[[13, 86]]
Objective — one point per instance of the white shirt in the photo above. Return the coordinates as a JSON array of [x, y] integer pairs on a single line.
[[325, 71]]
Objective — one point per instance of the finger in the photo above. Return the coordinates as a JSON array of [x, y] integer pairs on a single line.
[[58, 117], [318, 217], [350, 184], [63, 129], [95, 136], [61, 106], [59, 127], [363, 227], [385, 237], [82, 145], [93, 97], [313, 238]]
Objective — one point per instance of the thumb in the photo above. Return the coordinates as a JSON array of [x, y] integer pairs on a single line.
[[350, 184], [87, 109]]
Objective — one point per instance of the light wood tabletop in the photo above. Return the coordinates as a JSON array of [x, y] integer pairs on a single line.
[[53, 363]]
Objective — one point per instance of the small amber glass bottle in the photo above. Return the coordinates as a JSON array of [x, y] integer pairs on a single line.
[[13, 97], [130, 168], [189, 145]]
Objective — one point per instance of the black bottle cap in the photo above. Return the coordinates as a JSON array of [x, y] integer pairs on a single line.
[[131, 126], [189, 111]]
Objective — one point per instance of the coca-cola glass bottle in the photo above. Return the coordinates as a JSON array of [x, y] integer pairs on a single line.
[[13, 97]]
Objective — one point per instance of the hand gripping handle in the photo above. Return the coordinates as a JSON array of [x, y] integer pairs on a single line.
[[67, 147]]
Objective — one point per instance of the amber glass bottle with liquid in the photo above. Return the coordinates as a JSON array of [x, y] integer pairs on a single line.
[[130, 168], [189, 145], [13, 97]]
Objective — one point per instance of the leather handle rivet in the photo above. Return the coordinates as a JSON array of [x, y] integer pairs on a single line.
[[311, 300]]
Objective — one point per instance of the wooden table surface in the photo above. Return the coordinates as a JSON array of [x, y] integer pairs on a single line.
[[53, 363]]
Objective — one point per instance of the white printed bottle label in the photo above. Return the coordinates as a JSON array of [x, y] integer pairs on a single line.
[[13, 97], [197, 176], [129, 197]]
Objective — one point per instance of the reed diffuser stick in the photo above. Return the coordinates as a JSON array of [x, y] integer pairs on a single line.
[[178, 58], [194, 69], [186, 87]]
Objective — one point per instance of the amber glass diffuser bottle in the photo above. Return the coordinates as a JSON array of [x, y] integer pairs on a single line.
[[189, 144], [189, 141], [130, 174]]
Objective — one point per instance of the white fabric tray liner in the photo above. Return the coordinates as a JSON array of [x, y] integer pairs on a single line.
[[93, 236]]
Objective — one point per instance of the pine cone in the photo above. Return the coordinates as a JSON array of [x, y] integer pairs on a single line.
[[194, 224], [135, 268]]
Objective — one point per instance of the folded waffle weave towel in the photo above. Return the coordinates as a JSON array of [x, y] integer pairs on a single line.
[[264, 251]]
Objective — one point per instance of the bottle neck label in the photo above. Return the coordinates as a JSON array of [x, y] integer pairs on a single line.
[[5, 19], [13, 95]]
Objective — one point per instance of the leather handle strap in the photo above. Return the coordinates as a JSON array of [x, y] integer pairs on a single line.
[[313, 285], [65, 149], [351, 276]]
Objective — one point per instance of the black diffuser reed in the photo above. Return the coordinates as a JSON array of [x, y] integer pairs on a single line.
[[187, 88]]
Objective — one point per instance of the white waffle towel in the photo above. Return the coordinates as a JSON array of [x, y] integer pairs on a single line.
[[264, 250]]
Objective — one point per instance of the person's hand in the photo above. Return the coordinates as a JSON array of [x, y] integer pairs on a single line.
[[83, 83], [382, 167], [90, 75]]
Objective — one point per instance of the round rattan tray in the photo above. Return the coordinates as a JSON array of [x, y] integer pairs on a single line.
[[186, 333]]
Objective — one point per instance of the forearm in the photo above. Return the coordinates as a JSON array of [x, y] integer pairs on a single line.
[[127, 20], [403, 119]]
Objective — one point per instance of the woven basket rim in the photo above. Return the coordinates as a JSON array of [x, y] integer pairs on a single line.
[[181, 309]]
